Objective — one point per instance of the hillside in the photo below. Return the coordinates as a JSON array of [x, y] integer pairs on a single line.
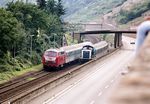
[[130, 13], [119, 12], [86, 10]]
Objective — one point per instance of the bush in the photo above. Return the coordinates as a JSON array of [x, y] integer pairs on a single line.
[[8, 63]]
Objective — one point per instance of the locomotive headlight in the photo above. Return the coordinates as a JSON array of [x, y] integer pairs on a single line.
[[50, 59]]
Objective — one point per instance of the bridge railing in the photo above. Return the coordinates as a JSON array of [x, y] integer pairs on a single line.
[[134, 87], [79, 27]]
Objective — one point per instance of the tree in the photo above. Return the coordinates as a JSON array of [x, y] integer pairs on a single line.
[[25, 27], [41, 4], [31, 17], [9, 32], [33, 20], [59, 9], [56, 8], [51, 7]]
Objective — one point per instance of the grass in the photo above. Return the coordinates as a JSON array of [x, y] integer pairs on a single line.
[[107, 37], [6, 76], [30, 78], [70, 39]]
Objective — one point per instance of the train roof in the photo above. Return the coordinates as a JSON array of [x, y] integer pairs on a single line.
[[91, 45], [70, 48], [75, 46], [55, 50]]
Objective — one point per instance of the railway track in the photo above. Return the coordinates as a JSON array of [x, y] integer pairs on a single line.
[[20, 80], [10, 89], [13, 91]]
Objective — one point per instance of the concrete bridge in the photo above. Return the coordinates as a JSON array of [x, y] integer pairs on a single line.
[[117, 37]]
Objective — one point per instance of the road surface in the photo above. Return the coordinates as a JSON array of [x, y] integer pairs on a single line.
[[93, 86]]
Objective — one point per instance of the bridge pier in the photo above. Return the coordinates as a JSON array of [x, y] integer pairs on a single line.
[[118, 40], [80, 38]]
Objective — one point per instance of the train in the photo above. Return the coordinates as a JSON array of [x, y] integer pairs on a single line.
[[89, 52], [57, 58]]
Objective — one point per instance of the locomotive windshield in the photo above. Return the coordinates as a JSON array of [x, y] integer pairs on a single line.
[[51, 53]]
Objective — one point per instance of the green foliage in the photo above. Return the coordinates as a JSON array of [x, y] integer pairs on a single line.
[[8, 63], [26, 31], [31, 17], [51, 6], [70, 40], [55, 8], [59, 9], [9, 31], [126, 16], [41, 3]]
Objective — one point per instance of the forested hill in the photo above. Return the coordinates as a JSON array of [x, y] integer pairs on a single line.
[[84, 10], [114, 11]]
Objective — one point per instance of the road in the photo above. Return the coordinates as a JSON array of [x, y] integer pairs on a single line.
[[93, 86]]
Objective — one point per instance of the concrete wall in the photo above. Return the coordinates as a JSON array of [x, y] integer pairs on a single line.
[[134, 87]]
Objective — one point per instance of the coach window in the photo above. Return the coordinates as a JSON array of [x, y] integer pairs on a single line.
[[62, 53]]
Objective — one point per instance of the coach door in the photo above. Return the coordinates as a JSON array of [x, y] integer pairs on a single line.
[[62, 57]]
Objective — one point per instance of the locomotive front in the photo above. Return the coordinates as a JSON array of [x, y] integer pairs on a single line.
[[53, 58], [87, 52]]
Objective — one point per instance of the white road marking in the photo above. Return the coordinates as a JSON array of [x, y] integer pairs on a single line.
[[92, 102], [58, 94], [100, 94], [106, 86]]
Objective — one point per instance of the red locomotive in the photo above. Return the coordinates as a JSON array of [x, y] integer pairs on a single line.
[[53, 58]]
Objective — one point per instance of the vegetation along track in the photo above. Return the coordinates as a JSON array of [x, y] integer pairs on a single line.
[[14, 91]]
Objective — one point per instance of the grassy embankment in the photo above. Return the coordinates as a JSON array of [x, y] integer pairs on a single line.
[[6, 76]]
